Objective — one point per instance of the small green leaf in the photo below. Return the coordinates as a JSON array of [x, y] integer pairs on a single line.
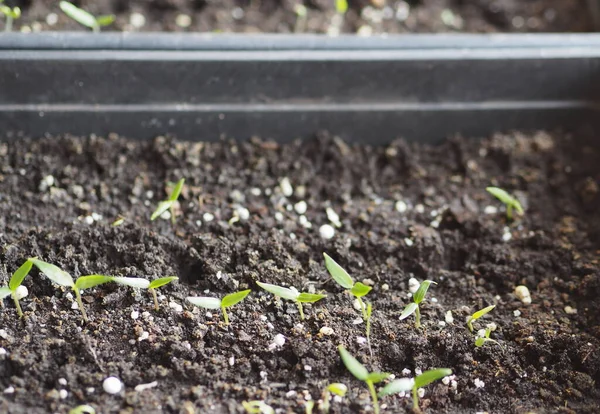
[[360, 289], [478, 315], [4, 292], [13, 13], [282, 292], [177, 190], [356, 368], [19, 275], [162, 207], [400, 385], [234, 298], [310, 297], [505, 198], [77, 14], [86, 282], [134, 282], [428, 377], [82, 409], [118, 221], [54, 273], [257, 407], [156, 283], [338, 273], [341, 6], [377, 377], [105, 20], [204, 302], [422, 291], [338, 388], [409, 310]]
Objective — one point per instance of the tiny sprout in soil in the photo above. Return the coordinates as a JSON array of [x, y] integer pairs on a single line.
[[483, 335], [337, 388], [341, 6], [216, 303], [84, 18], [169, 203], [478, 315], [82, 409], [257, 407], [360, 372], [11, 14], [14, 286], [339, 274], [155, 284], [293, 295], [417, 299], [509, 201], [413, 384], [60, 277]]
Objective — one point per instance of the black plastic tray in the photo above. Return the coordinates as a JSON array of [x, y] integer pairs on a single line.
[[283, 87]]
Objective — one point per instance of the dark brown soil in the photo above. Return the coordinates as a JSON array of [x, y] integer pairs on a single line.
[[366, 16], [547, 359]]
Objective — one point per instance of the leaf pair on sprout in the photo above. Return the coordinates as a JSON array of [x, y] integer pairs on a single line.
[[216, 303], [413, 384], [14, 288], [417, 299], [84, 18], [361, 373], [169, 204], [257, 407], [483, 335], [509, 201], [292, 294], [11, 13], [357, 289]]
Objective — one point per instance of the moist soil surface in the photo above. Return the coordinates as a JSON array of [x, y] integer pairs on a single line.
[[60, 195], [280, 16]]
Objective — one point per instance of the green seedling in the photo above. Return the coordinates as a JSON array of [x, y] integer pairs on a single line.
[[341, 6], [257, 407], [216, 303], [483, 335], [292, 294], [62, 278], [309, 406], [478, 315], [360, 372], [155, 284], [509, 201], [417, 299], [169, 204], [413, 384], [357, 289], [14, 283], [119, 220], [82, 409], [11, 13], [301, 12], [84, 18], [337, 388]]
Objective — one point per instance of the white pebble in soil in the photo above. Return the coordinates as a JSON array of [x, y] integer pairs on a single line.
[[401, 206], [21, 292], [408, 242], [300, 207], [326, 231], [183, 20], [137, 20], [522, 293], [51, 19], [478, 383], [333, 217], [286, 187], [112, 385], [413, 285]]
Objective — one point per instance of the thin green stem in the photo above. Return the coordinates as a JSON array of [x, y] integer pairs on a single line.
[[96, 29], [325, 404], [509, 214], [80, 303], [417, 318], [373, 396], [17, 304], [363, 308], [225, 316], [155, 298], [301, 310], [415, 399], [9, 24]]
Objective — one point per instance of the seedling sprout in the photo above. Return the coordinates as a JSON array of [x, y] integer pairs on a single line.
[[83, 409], [14, 284], [358, 289], [155, 284], [360, 372], [11, 14], [341, 6], [169, 203], [478, 315], [509, 201], [413, 384], [417, 299], [257, 407], [216, 303], [62, 278], [293, 295], [84, 18], [337, 388], [483, 335]]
